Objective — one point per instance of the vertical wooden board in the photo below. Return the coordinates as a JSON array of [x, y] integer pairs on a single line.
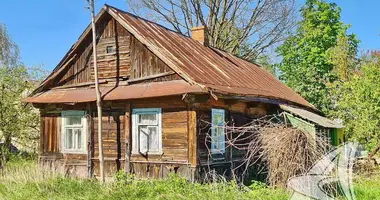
[[192, 130], [46, 134], [59, 134], [128, 136], [54, 134], [42, 134], [80, 69]]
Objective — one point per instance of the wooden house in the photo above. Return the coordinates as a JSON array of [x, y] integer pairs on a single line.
[[157, 86]]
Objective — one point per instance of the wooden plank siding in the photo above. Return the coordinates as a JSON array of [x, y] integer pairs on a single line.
[[129, 58], [174, 129], [144, 62], [237, 114], [50, 134]]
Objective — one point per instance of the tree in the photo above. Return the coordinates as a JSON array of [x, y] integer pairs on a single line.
[[306, 66], [343, 57], [359, 104], [9, 54], [17, 120], [246, 28]]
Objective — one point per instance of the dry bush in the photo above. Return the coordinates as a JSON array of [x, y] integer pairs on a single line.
[[272, 148], [288, 152]]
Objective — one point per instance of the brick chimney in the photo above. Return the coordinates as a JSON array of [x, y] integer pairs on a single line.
[[199, 34]]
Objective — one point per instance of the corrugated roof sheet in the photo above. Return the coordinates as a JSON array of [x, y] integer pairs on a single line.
[[322, 121], [137, 91], [207, 66]]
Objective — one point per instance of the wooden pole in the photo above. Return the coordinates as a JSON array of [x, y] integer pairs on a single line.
[[98, 96]]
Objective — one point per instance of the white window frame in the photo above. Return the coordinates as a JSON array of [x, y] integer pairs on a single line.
[[135, 133], [215, 138], [74, 113]]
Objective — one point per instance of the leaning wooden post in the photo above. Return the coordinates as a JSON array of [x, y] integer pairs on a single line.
[[98, 96]]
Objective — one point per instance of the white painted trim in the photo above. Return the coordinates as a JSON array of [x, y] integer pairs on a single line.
[[68, 113], [213, 149], [135, 138]]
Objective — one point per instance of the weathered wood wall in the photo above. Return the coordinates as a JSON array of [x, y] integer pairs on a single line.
[[50, 134], [237, 113], [129, 58], [113, 142], [175, 141], [51, 156], [144, 62], [185, 149]]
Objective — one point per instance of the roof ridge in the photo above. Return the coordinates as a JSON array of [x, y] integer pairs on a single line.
[[146, 20], [156, 23]]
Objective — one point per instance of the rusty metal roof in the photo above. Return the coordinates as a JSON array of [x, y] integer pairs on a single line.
[[153, 89], [322, 121], [210, 67], [137, 91]]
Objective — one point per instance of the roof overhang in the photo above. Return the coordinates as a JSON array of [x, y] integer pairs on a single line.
[[310, 116], [109, 93]]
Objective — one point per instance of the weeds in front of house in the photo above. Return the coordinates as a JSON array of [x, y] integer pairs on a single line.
[[23, 180]]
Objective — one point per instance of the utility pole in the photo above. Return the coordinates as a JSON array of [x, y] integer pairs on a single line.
[[98, 96]]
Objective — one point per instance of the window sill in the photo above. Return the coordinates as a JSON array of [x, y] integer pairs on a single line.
[[74, 152], [218, 152], [149, 154]]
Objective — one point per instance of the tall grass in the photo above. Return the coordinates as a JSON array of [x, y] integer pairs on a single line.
[[23, 180], [367, 186], [23, 170]]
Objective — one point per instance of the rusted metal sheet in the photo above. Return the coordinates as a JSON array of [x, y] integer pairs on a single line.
[[205, 65], [153, 89], [137, 91], [73, 95], [322, 121], [197, 64]]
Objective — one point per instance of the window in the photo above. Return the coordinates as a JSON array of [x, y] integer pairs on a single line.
[[109, 49], [146, 132], [217, 131], [74, 127]]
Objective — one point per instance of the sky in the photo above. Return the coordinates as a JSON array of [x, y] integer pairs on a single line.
[[44, 30]]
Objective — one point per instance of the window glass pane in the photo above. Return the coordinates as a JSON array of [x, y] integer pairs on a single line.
[[69, 138], [218, 120], [221, 138], [143, 139], [148, 119], [78, 133], [153, 138], [73, 120], [109, 49], [218, 132]]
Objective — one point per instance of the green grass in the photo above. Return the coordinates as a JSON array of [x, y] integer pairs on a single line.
[[23, 180], [367, 186]]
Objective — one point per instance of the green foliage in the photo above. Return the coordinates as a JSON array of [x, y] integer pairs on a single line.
[[9, 53], [367, 187], [266, 63], [18, 122], [358, 103], [306, 66], [17, 184], [22, 180]]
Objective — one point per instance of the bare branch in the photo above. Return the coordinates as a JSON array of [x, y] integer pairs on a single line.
[[247, 28]]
